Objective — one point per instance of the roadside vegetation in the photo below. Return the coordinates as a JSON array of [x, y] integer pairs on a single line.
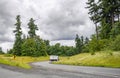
[[101, 59], [20, 61]]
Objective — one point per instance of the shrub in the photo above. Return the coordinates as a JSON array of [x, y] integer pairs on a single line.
[[116, 44], [92, 53], [8, 55], [98, 45]]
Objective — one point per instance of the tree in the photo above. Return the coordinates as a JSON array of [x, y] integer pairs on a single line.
[[32, 28], [18, 40], [110, 10], [85, 47], [47, 42], [115, 30], [55, 49], [69, 51], [105, 30], [82, 40], [104, 13], [28, 47], [94, 14], [109, 13], [1, 52], [41, 47], [116, 44], [34, 47], [10, 51], [86, 40], [94, 44], [79, 44]]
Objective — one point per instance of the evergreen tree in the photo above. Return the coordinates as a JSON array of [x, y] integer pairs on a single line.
[[32, 28], [18, 40], [86, 40], [104, 13], [109, 12], [105, 30], [85, 46], [82, 40], [78, 44], [94, 14], [1, 52], [40, 47], [47, 42], [115, 30], [29, 47]]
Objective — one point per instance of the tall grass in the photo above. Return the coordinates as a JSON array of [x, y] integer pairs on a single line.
[[102, 59], [21, 61]]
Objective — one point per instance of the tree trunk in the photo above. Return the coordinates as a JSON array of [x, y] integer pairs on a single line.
[[118, 15], [118, 18], [14, 56], [96, 28], [112, 19]]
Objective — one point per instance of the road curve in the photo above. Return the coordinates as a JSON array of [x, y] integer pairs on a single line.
[[112, 72], [46, 70]]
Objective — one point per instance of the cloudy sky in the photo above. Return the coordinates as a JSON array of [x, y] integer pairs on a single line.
[[58, 20]]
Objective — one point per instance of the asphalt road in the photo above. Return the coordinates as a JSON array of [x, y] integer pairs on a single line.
[[46, 70], [113, 72]]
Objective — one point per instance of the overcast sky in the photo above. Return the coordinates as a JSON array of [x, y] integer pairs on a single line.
[[57, 20]]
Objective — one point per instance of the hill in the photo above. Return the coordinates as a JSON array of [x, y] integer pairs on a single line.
[[102, 59]]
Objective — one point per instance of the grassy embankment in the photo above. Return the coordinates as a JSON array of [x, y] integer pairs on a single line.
[[101, 59], [20, 61]]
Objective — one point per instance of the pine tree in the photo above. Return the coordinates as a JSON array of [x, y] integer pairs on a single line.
[[86, 40], [104, 13], [32, 28], [18, 40], [82, 40], [1, 51], [94, 14], [78, 44]]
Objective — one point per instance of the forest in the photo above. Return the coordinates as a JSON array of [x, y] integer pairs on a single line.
[[105, 14]]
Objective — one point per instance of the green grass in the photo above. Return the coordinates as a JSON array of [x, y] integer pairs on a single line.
[[20, 61], [101, 59]]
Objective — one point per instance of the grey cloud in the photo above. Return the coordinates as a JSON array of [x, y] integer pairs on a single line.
[[6, 12], [6, 20], [58, 19], [5, 38], [61, 20]]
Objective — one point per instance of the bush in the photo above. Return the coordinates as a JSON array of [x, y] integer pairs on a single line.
[[98, 45], [8, 55], [1, 52], [33, 47], [116, 44], [92, 53]]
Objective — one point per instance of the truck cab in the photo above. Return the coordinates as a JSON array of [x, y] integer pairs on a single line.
[[54, 58]]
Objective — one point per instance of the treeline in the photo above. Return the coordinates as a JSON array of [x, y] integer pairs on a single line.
[[33, 45]]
